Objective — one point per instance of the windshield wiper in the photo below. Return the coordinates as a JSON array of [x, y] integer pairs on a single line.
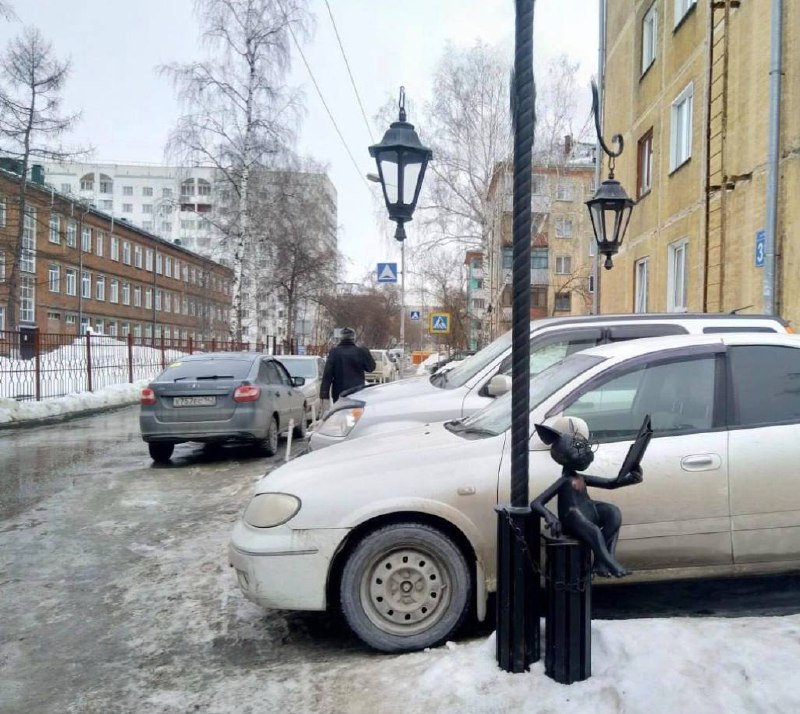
[[481, 431], [210, 376]]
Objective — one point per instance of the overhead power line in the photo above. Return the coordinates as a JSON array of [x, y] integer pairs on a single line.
[[349, 72]]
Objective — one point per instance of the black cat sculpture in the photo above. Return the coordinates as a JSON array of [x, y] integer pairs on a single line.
[[593, 522]]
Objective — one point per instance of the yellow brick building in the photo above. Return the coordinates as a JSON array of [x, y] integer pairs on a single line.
[[687, 84]]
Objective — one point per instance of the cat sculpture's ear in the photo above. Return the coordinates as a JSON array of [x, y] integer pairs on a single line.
[[547, 435]]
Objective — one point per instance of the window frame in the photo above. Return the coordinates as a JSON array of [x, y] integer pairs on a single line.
[[644, 164], [640, 286], [682, 9], [561, 259], [680, 246], [680, 131], [649, 39]]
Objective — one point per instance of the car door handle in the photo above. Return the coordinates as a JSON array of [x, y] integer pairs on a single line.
[[701, 462]]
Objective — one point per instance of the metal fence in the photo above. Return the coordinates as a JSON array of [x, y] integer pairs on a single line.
[[37, 366]]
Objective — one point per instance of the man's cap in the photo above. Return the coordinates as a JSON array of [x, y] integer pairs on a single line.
[[348, 333]]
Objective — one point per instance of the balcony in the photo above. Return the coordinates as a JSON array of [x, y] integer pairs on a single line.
[[540, 276]]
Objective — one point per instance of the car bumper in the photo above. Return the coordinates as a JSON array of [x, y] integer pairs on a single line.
[[319, 441], [283, 568], [238, 428]]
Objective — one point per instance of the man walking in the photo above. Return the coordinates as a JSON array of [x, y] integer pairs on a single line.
[[345, 367]]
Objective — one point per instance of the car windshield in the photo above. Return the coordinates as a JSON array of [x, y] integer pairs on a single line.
[[495, 418], [466, 370], [300, 367], [206, 369], [377, 355]]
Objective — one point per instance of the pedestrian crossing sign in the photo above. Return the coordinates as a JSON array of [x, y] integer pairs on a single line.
[[387, 272], [415, 314], [439, 323]]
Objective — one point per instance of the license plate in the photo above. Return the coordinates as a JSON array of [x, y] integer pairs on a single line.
[[194, 401]]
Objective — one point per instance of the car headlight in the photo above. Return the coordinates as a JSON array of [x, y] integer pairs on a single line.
[[341, 422], [267, 510]]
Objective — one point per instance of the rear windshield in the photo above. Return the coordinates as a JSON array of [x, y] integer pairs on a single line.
[[201, 369], [467, 369], [300, 367]]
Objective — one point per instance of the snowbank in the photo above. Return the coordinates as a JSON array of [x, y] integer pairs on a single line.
[[14, 412]]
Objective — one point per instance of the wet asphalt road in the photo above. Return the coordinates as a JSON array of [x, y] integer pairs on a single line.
[[115, 595]]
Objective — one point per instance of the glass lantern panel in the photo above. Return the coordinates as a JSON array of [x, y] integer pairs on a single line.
[[390, 178], [410, 178]]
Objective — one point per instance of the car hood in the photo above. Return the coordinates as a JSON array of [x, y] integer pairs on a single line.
[[402, 389], [415, 463]]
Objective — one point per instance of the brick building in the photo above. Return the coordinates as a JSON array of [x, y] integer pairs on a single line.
[[82, 269]]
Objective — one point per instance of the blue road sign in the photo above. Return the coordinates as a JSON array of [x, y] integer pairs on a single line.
[[439, 323], [387, 272], [761, 246], [415, 314]]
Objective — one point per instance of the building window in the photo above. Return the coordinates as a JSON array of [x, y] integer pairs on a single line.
[[86, 285], [166, 193], [563, 264], [2, 319], [168, 267], [166, 227], [113, 291], [100, 287], [159, 263], [126, 293], [99, 327], [127, 208], [66, 188], [114, 248], [2, 266], [126, 252], [645, 164], [158, 298], [147, 190], [99, 243], [72, 233], [203, 187], [539, 297], [676, 276], [563, 227], [2, 211], [55, 228], [148, 299], [187, 188], [137, 296], [167, 302], [54, 316], [649, 33], [187, 225], [87, 182], [539, 258], [54, 279], [106, 184], [137, 256], [86, 239], [127, 191], [71, 281], [640, 285], [112, 328], [147, 208], [27, 298], [27, 261], [564, 191], [680, 147], [147, 225], [107, 204], [563, 302], [148, 260], [682, 7]]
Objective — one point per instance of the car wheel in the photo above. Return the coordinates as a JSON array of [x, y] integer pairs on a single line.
[[161, 451], [269, 444], [405, 587], [301, 427]]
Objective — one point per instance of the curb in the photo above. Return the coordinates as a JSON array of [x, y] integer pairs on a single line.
[[58, 418]]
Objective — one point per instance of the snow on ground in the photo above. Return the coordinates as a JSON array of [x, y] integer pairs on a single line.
[[14, 412]]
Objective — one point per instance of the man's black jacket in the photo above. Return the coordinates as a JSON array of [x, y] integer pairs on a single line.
[[345, 368]]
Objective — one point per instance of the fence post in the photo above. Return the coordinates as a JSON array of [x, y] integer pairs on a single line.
[[214, 344], [130, 358], [89, 359], [163, 361], [190, 345], [37, 364]]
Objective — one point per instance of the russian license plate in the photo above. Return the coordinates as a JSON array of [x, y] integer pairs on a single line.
[[194, 401]]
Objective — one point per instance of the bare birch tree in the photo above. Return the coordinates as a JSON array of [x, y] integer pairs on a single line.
[[239, 113], [31, 127]]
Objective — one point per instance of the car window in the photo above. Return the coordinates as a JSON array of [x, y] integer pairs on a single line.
[[300, 367], [273, 376], [619, 333], [678, 395], [320, 367], [549, 350], [283, 375], [734, 328], [263, 372], [464, 371], [766, 383], [206, 369]]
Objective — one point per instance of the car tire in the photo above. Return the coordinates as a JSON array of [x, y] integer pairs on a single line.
[[405, 587], [161, 451], [269, 444], [301, 427]]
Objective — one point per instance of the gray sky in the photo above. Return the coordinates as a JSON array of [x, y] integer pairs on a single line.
[[128, 109]]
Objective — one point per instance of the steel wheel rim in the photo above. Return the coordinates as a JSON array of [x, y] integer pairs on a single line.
[[273, 436], [405, 591]]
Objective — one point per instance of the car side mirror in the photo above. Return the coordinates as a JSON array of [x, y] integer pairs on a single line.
[[298, 381], [499, 384]]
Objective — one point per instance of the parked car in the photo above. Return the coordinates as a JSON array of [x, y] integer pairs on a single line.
[[385, 368], [475, 382], [310, 368], [219, 397], [400, 529]]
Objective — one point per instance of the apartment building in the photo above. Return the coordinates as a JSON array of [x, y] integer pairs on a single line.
[[80, 268], [477, 300], [688, 85], [562, 242]]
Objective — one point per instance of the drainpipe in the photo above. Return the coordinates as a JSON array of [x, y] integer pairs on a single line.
[[773, 168], [601, 72]]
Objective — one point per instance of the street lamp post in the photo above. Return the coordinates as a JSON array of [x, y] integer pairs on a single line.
[[401, 159]]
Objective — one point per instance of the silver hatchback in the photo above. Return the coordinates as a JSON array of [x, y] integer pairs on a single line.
[[219, 397]]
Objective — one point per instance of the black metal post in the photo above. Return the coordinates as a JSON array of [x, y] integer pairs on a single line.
[[517, 581]]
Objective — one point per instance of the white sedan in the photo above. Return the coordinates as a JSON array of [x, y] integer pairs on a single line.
[[400, 529]]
